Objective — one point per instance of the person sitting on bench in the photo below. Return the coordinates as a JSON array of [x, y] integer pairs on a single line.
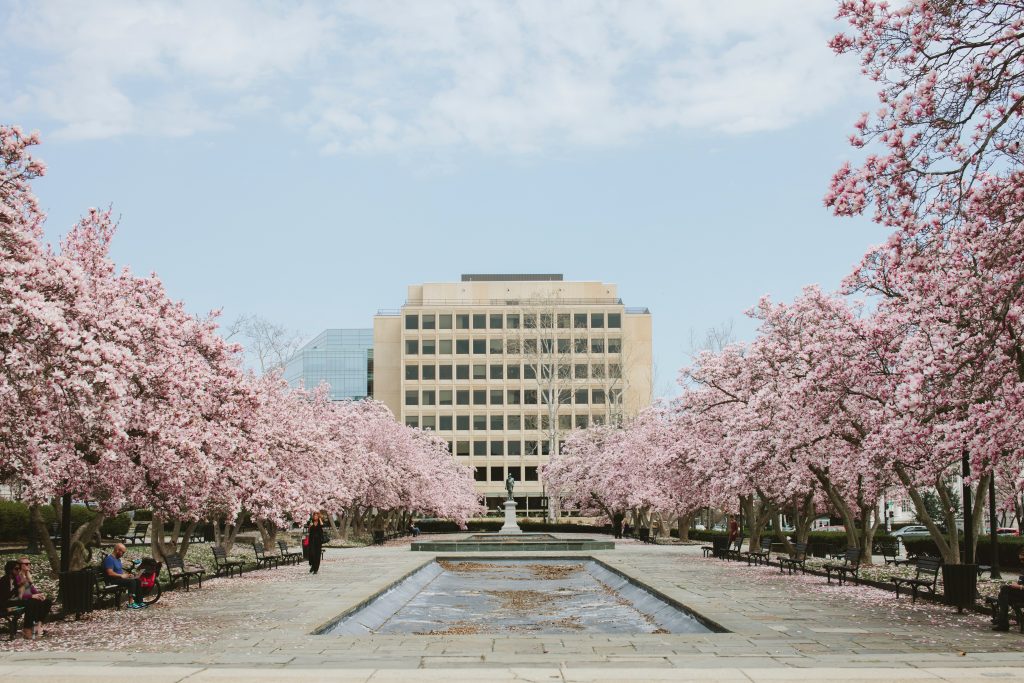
[[1009, 592], [114, 573]]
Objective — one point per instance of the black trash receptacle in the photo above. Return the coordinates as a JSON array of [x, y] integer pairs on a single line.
[[378, 537], [77, 591], [645, 534], [960, 584]]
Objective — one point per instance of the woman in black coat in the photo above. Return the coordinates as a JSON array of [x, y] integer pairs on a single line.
[[315, 534]]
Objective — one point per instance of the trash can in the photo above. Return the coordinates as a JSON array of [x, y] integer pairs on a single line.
[[378, 537], [960, 584], [77, 590], [645, 534]]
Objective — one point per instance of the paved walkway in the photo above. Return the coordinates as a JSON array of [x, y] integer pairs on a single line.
[[782, 628]]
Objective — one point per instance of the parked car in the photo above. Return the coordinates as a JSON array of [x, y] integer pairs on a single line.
[[1007, 531], [913, 530]]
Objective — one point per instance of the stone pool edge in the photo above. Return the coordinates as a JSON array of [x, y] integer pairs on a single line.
[[710, 624]]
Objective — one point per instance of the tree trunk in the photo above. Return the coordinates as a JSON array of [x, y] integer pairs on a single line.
[[839, 503], [683, 523], [758, 511], [224, 532], [268, 532], [79, 537], [178, 543]]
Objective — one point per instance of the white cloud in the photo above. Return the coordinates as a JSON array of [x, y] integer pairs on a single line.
[[385, 75]]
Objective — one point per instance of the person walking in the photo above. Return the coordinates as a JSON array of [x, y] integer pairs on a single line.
[[315, 535]]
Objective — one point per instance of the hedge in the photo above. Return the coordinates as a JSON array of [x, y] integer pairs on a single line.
[[14, 520], [1009, 547]]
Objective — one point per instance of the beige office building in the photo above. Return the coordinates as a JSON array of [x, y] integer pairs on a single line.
[[504, 366]]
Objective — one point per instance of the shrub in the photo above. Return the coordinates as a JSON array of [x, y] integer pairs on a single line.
[[1009, 546]]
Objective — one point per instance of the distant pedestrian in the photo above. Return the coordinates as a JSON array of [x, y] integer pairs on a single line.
[[734, 529], [315, 536]]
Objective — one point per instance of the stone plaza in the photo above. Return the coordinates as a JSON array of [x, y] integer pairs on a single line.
[[780, 627]]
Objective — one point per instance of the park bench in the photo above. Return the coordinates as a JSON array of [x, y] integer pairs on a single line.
[[106, 593], [759, 556], [889, 549], [849, 567], [222, 564], [1016, 608], [138, 534], [177, 569], [294, 556], [263, 558], [12, 614], [712, 550], [381, 536], [924, 579], [735, 551], [797, 558], [197, 535]]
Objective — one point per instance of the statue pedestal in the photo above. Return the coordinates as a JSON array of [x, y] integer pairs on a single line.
[[510, 526]]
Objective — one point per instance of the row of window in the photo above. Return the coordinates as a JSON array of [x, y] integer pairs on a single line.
[[505, 372], [500, 448], [513, 347], [527, 473], [512, 397], [498, 423], [511, 321]]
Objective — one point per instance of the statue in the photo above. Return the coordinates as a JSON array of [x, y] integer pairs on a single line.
[[510, 484]]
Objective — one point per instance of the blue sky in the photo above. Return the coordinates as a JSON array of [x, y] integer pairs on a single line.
[[305, 162]]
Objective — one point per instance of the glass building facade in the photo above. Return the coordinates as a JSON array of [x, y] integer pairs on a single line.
[[342, 358]]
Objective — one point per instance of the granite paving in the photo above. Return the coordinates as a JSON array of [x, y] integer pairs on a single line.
[[781, 627]]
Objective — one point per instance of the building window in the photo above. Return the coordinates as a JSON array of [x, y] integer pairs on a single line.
[[429, 372], [444, 321], [429, 398], [515, 447], [461, 372], [412, 347], [480, 371], [480, 474], [529, 422], [495, 321], [462, 321], [412, 372], [429, 347], [412, 322], [547, 320], [581, 397], [480, 397], [497, 448], [461, 448], [565, 421], [581, 370], [462, 397], [494, 345], [479, 321], [412, 421], [581, 345], [563, 321], [614, 320], [598, 396], [480, 346], [497, 397], [428, 321], [445, 423], [581, 422], [429, 422], [444, 371], [530, 397], [547, 371], [530, 321], [512, 321], [497, 371], [531, 447], [597, 320], [513, 422], [564, 345], [462, 423], [479, 447], [497, 474], [565, 397], [614, 370], [529, 346], [497, 423], [547, 345], [614, 345], [462, 346], [444, 347], [597, 371], [511, 346], [444, 397], [598, 420], [513, 397], [564, 371], [579, 321], [615, 396], [597, 345], [512, 372], [412, 398], [545, 448], [479, 422], [530, 473]]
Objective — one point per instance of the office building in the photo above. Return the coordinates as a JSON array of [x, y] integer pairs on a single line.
[[504, 366], [342, 358]]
